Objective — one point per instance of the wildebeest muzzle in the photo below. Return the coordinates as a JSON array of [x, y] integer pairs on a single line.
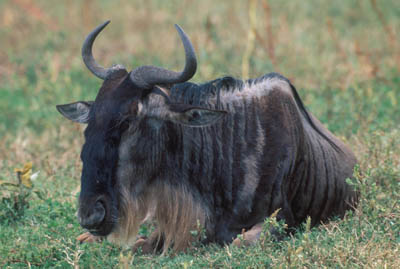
[[96, 214]]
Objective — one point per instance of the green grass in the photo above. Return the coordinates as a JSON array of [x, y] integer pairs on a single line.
[[343, 59]]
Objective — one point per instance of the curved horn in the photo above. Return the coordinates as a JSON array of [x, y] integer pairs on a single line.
[[147, 76], [87, 55]]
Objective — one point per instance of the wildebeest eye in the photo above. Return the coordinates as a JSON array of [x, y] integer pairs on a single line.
[[196, 114]]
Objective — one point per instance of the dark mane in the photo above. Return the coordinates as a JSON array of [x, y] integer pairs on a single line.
[[199, 94]]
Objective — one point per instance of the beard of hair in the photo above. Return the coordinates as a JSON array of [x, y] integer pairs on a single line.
[[174, 210]]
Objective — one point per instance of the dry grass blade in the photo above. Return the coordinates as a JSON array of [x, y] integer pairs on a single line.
[[251, 35]]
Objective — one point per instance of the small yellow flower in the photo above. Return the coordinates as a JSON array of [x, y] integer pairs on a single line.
[[24, 174]]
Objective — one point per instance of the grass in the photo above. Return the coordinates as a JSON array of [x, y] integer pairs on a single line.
[[344, 60]]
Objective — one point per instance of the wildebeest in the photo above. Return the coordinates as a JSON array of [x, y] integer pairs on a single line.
[[222, 155]]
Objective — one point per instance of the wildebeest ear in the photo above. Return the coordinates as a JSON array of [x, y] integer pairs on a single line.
[[195, 116], [77, 112]]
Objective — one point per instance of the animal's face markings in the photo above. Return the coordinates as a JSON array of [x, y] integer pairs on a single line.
[[124, 102]]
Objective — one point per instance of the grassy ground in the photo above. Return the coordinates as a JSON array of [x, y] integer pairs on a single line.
[[343, 58]]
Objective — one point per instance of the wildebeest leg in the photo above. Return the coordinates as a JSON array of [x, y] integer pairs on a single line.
[[89, 238], [250, 237], [149, 245], [286, 214]]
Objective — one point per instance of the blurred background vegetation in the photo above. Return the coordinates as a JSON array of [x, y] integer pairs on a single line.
[[343, 57]]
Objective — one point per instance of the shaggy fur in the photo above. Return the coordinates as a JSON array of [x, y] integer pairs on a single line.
[[173, 209], [265, 154]]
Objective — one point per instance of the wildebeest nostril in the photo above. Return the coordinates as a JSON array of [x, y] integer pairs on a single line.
[[94, 217]]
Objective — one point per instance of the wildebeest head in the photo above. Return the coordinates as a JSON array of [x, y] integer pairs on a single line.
[[138, 100]]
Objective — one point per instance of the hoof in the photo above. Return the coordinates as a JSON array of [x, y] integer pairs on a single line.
[[250, 237], [88, 238], [145, 244]]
